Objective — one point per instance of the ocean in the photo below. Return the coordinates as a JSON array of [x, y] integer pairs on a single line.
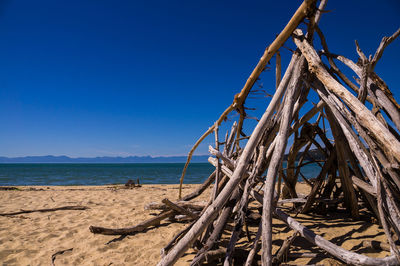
[[39, 174]]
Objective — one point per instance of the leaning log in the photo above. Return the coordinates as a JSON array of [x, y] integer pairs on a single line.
[[277, 157], [304, 9], [241, 167], [134, 229], [335, 250], [178, 208], [201, 188]]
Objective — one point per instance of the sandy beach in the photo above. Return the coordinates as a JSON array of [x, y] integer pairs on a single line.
[[243, 101], [32, 239]]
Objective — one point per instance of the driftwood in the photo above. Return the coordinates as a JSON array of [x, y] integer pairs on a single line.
[[283, 252], [134, 229], [351, 133], [216, 254], [9, 188], [178, 208], [306, 255], [276, 160], [254, 247], [46, 210], [200, 189], [195, 206], [202, 253], [239, 99], [338, 252], [54, 256]]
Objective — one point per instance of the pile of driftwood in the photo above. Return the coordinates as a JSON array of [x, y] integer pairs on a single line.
[[360, 165]]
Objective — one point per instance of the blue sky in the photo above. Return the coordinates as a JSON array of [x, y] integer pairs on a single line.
[[119, 78]]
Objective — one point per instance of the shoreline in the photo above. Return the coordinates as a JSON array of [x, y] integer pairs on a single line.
[[34, 237]]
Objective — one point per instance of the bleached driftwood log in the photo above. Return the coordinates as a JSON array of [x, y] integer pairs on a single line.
[[134, 229], [345, 255]]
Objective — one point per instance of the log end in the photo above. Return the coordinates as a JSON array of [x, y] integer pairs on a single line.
[[95, 229]]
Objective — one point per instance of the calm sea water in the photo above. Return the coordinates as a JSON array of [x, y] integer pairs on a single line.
[[101, 174]]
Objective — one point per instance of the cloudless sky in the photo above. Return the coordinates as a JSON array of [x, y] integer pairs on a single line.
[[119, 78]]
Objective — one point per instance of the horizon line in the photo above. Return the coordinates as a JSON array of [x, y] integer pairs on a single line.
[[94, 157]]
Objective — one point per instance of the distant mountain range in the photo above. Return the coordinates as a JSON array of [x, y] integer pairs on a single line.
[[312, 154], [130, 159]]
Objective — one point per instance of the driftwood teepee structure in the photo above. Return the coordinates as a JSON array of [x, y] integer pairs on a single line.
[[360, 166]]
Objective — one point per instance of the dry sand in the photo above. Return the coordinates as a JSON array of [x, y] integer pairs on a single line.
[[32, 239]]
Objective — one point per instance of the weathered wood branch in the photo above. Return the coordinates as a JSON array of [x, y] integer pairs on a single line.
[[363, 185], [254, 247], [64, 208], [358, 150], [336, 251], [364, 116], [219, 155], [344, 174], [200, 189], [242, 207], [211, 212], [178, 208], [54, 256], [318, 182], [354, 142], [134, 229], [277, 157], [283, 252], [215, 235], [384, 43], [239, 99], [218, 168], [196, 206], [384, 96]]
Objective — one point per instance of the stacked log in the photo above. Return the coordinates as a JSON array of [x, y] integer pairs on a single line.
[[360, 165]]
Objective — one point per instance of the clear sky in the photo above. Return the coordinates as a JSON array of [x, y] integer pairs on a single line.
[[119, 78]]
